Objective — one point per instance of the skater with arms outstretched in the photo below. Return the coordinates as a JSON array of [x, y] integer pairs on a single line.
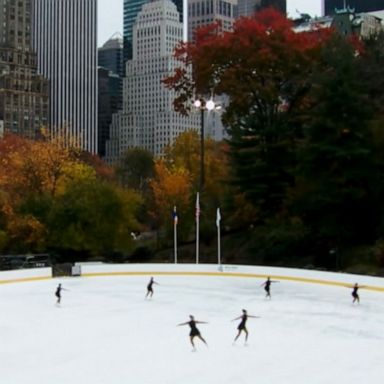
[[242, 326], [194, 331], [267, 286], [150, 287], [355, 295], [58, 293]]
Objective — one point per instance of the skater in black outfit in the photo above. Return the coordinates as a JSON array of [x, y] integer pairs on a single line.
[[267, 286], [150, 287], [242, 326], [194, 331], [58, 293], [355, 295]]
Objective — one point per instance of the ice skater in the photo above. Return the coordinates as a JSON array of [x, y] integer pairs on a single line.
[[355, 295], [242, 326], [194, 331], [267, 286], [58, 293], [150, 287]]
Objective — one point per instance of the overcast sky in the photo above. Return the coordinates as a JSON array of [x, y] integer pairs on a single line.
[[111, 15]]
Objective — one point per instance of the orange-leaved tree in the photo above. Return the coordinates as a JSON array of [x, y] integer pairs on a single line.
[[185, 153], [171, 188], [261, 63], [265, 69]]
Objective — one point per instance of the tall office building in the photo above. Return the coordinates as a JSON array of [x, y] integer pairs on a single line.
[[109, 102], [64, 37], [329, 6], [110, 87], [23, 93], [203, 12], [131, 10], [148, 119], [110, 55], [249, 7]]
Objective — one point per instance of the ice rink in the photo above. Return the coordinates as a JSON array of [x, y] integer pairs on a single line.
[[106, 332]]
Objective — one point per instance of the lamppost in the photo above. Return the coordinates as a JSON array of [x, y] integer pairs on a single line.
[[203, 105]]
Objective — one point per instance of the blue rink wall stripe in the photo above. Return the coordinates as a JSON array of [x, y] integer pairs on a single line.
[[215, 274], [236, 274]]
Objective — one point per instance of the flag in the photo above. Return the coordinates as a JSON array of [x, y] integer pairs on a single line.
[[175, 218], [218, 217], [197, 212]]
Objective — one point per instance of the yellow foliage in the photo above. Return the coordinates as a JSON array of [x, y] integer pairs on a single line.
[[185, 154], [37, 166], [26, 229], [171, 187], [74, 171]]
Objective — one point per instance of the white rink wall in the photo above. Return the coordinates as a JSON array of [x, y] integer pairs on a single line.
[[20, 275], [306, 276], [257, 272]]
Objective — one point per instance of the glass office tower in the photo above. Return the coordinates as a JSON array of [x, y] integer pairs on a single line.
[[329, 6], [131, 10]]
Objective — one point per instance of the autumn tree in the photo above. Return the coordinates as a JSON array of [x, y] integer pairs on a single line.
[[171, 188], [218, 190], [55, 197], [93, 218], [263, 66], [184, 153], [135, 168]]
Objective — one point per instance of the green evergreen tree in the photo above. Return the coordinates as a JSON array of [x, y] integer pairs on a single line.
[[336, 191]]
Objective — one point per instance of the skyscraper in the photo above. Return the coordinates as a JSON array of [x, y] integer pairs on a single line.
[[110, 87], [249, 7], [23, 93], [203, 12], [280, 5], [329, 6], [131, 10], [148, 119], [110, 55], [64, 37]]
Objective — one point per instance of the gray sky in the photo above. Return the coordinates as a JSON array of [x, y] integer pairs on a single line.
[[111, 15]]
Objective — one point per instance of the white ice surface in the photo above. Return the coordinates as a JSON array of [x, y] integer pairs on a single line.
[[106, 332]]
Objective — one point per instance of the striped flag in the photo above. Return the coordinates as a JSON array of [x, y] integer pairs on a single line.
[[197, 212], [175, 218], [218, 217]]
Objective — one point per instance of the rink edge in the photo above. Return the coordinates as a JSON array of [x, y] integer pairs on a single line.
[[25, 279], [277, 276], [227, 274]]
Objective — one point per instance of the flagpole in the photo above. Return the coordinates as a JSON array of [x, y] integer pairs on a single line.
[[175, 220], [175, 242], [197, 215], [218, 219]]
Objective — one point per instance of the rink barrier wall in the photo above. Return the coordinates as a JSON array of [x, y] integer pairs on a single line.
[[210, 270], [285, 274], [25, 275]]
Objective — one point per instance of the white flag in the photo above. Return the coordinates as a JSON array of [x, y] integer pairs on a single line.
[[218, 217]]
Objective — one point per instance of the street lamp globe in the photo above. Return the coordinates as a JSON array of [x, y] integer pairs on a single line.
[[210, 105], [197, 103]]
